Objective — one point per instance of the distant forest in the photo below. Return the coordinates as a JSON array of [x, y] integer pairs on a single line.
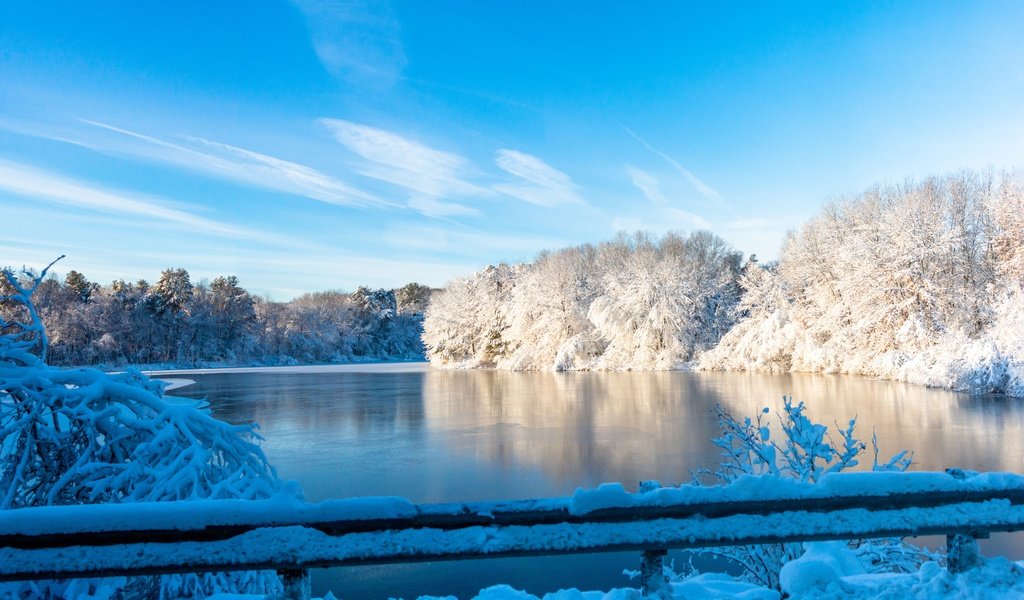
[[920, 282], [174, 321]]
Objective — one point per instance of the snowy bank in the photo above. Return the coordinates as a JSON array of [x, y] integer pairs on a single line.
[[394, 366], [826, 571]]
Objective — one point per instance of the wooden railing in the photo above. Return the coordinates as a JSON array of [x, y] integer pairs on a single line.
[[292, 537]]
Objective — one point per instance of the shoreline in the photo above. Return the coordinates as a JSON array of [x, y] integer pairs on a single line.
[[376, 366]]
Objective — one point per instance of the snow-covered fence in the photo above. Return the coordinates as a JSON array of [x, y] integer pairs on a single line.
[[282, 533]]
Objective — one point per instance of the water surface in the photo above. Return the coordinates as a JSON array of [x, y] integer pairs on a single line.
[[441, 436]]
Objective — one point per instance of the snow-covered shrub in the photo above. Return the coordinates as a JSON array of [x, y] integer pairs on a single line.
[[76, 436], [805, 451]]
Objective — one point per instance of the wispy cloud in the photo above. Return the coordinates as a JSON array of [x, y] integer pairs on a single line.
[[208, 157], [666, 219], [432, 207], [647, 184], [706, 190], [355, 38], [448, 240], [670, 216], [429, 174], [246, 166], [546, 185], [30, 182]]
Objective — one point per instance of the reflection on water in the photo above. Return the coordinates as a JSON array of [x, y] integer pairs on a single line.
[[436, 436]]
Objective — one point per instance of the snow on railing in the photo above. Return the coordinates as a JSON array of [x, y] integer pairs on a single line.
[[282, 533]]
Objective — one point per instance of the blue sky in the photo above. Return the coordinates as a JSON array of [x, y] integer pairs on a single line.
[[321, 145]]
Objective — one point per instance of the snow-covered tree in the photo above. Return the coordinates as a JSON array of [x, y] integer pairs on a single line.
[[632, 303], [172, 291], [220, 322], [466, 323], [1007, 206], [413, 298], [547, 312], [233, 318], [907, 281], [664, 300], [81, 287], [764, 337], [76, 436]]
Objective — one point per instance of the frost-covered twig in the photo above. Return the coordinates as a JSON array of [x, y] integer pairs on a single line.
[[805, 451]]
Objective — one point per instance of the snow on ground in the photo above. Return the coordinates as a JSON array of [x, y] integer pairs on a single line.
[[827, 571], [771, 488], [174, 383], [368, 367]]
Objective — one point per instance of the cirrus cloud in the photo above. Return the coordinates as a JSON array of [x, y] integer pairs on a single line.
[[545, 185]]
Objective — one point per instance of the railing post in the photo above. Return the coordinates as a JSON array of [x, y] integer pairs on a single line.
[[653, 583], [296, 583], [962, 550], [962, 553]]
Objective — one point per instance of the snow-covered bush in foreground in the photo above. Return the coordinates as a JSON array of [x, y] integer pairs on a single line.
[[805, 451], [74, 436], [824, 571], [798, 448]]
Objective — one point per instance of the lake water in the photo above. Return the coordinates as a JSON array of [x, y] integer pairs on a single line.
[[439, 436]]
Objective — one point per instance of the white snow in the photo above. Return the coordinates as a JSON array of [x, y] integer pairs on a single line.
[[821, 566], [287, 508], [175, 383], [284, 509], [770, 488], [367, 367], [827, 571]]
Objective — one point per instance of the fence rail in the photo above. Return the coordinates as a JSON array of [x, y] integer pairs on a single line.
[[292, 537]]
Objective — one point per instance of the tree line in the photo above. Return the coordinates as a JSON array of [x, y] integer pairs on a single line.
[[635, 302], [921, 281], [176, 321]]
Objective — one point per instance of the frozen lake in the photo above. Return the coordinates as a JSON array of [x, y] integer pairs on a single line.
[[436, 436]]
